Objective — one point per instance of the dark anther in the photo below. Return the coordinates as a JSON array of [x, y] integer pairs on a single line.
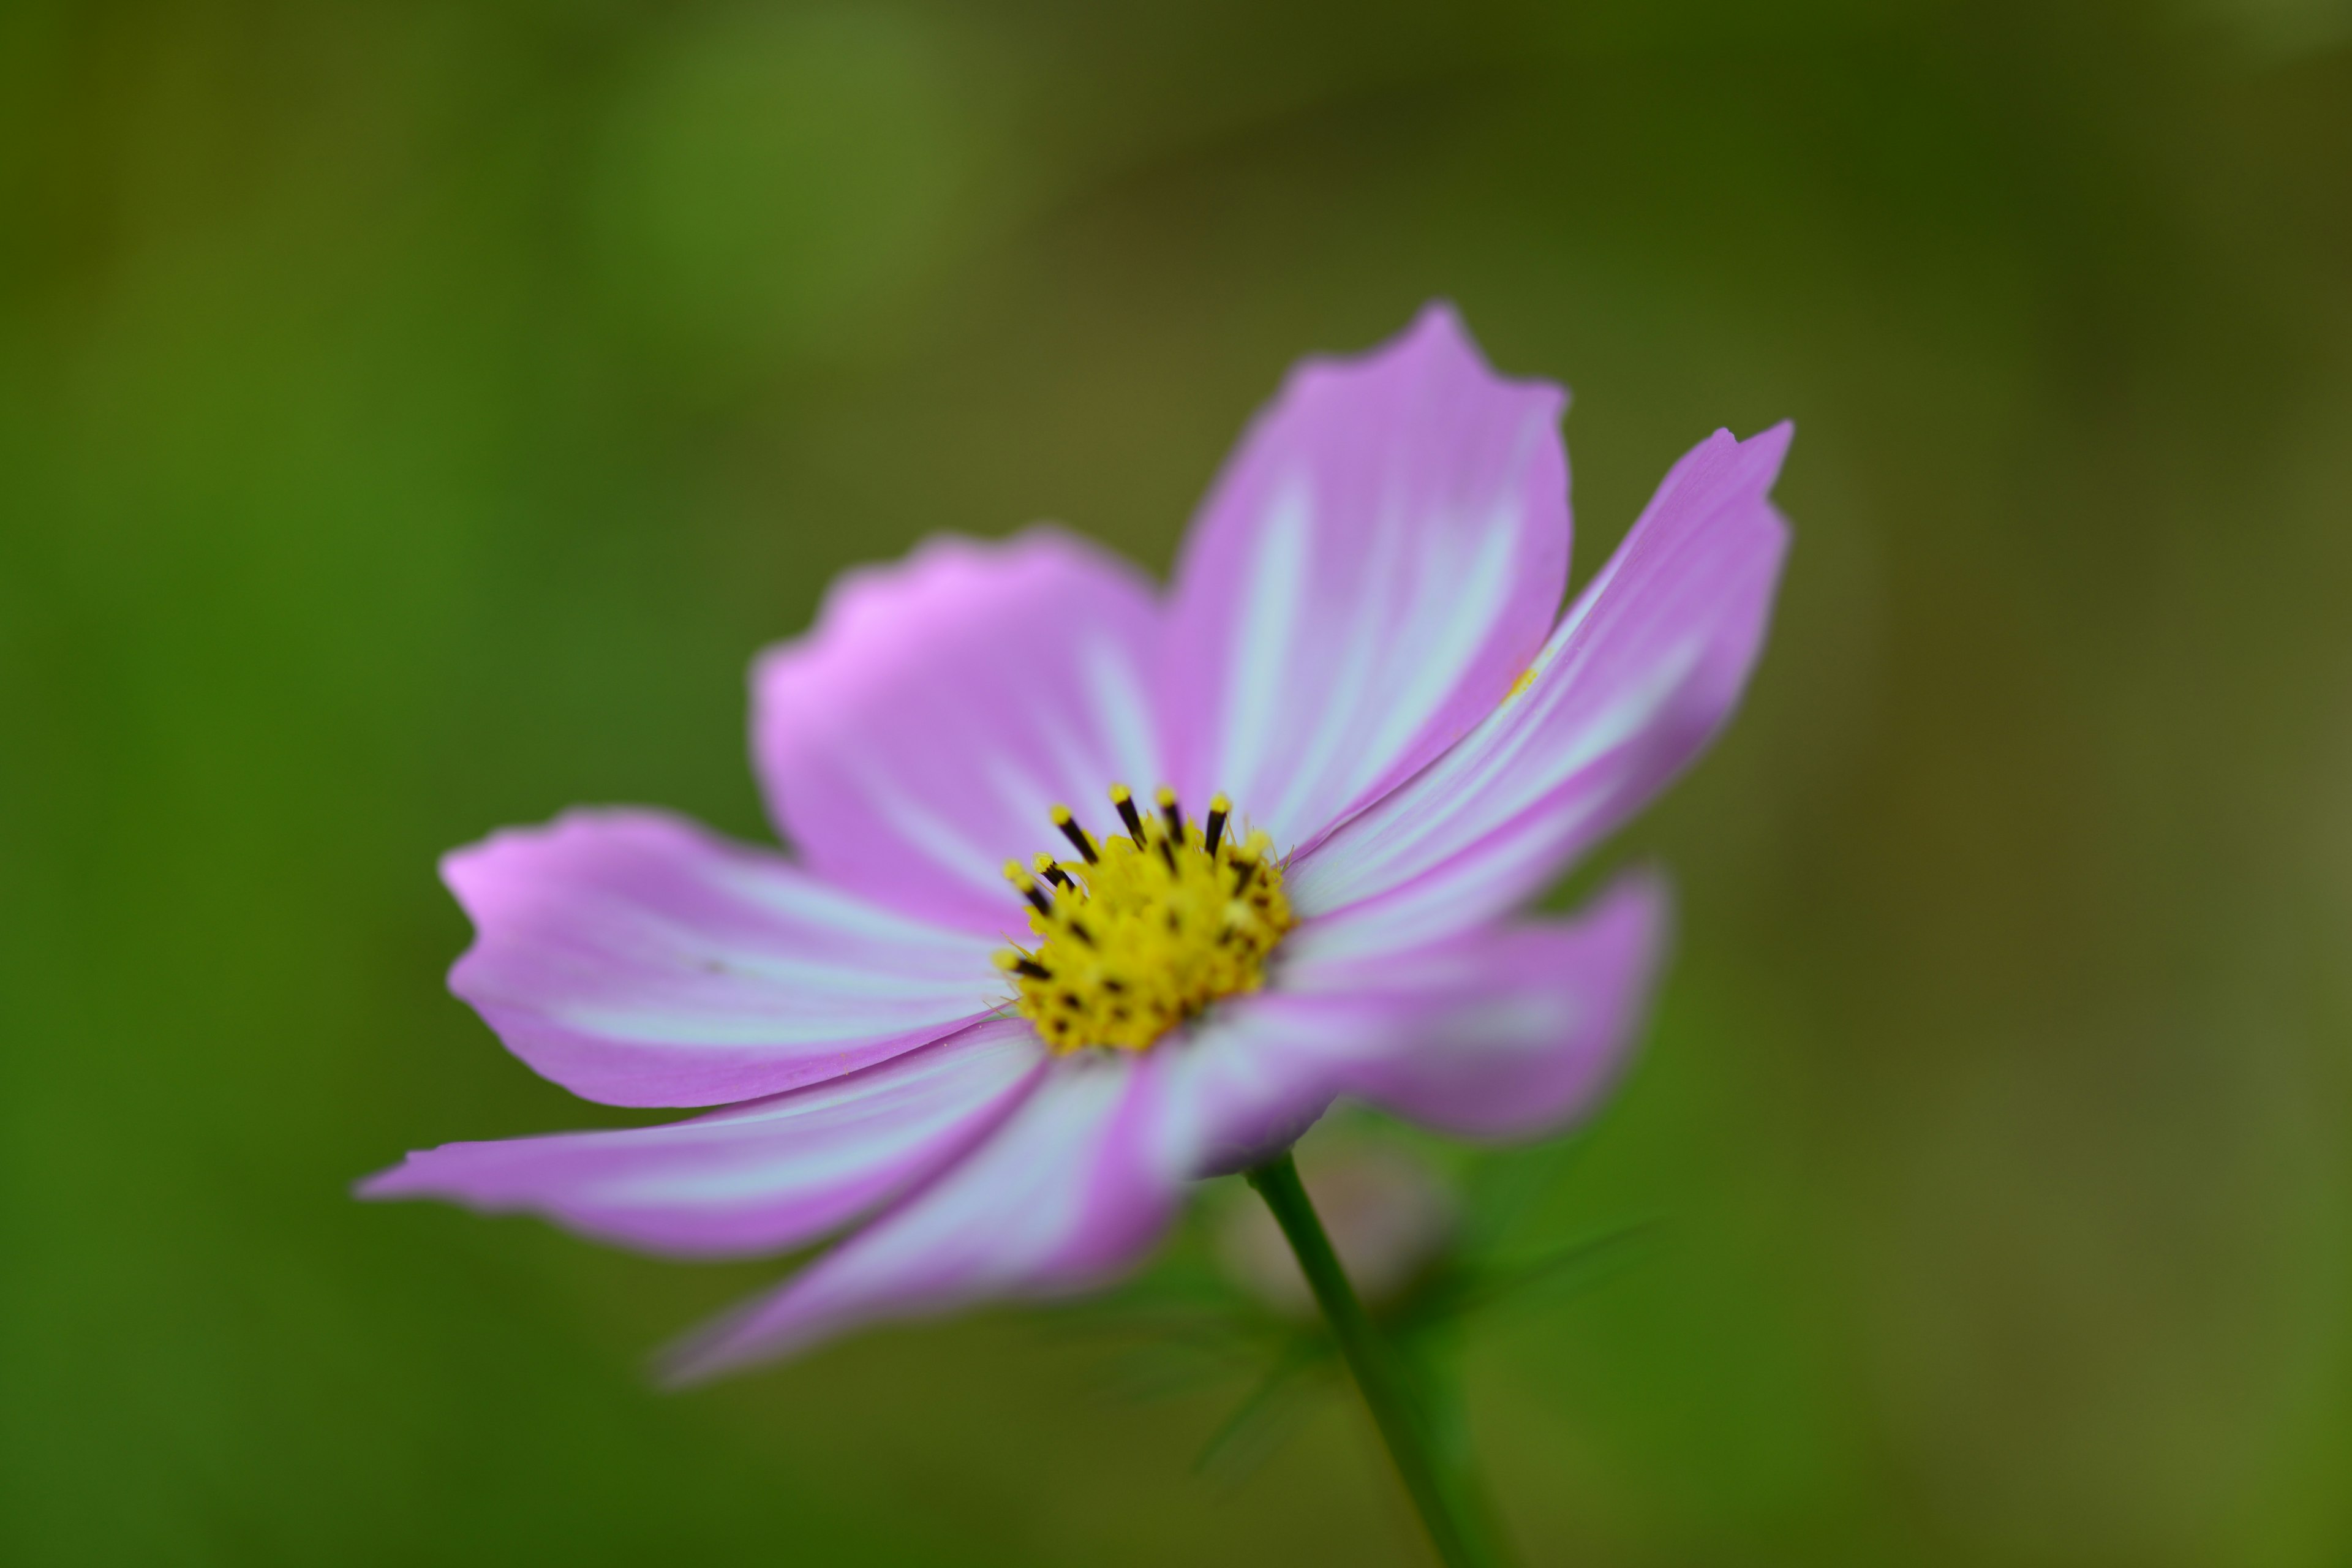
[[1168, 853], [1124, 805], [1056, 876], [1082, 933], [1032, 968], [1242, 871], [1111, 983], [1075, 833], [1216, 824], [1171, 813], [1039, 900]]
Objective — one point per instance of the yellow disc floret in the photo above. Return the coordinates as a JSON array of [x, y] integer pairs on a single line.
[[1146, 928]]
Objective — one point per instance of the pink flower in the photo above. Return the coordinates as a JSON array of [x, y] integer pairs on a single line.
[[1379, 744]]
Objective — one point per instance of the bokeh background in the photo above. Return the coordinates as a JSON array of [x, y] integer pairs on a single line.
[[413, 417]]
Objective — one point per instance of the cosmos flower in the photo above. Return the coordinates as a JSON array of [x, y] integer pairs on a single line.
[[998, 1011]]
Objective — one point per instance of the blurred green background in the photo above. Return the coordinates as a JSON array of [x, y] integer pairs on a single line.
[[413, 417]]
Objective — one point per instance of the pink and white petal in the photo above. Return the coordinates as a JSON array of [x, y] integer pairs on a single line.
[[1381, 556], [760, 1177], [1246, 1082], [1065, 1194], [1510, 1033], [1644, 671], [637, 958], [919, 737], [1513, 1033]]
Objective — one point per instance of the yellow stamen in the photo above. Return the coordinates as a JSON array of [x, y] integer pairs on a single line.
[[1148, 929]]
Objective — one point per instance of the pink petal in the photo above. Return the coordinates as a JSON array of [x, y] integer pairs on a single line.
[[1640, 676], [1512, 1032], [919, 737], [636, 959], [1065, 1194], [757, 1178], [1375, 567], [1257, 1073], [1509, 1032]]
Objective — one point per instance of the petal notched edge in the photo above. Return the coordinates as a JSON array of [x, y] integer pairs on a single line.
[[1380, 558], [1641, 673], [916, 738]]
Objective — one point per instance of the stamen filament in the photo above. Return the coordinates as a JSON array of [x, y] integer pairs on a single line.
[[1039, 900], [1068, 823], [1122, 801]]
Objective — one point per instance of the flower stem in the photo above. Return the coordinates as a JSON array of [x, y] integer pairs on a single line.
[[1443, 1496]]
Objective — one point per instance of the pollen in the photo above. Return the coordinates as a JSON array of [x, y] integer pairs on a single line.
[[1141, 930]]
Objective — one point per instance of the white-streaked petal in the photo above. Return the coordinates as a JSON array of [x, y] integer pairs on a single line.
[[1638, 678], [639, 960], [762, 1176], [1385, 550], [918, 736], [1066, 1193]]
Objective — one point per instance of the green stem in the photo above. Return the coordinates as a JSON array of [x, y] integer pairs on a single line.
[[1443, 1499]]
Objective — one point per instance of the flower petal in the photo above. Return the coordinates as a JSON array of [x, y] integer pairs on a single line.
[[1509, 1032], [1506, 1034], [1640, 676], [757, 1177], [1375, 567], [639, 960], [919, 737], [1065, 1194], [1512, 1032], [1248, 1081]]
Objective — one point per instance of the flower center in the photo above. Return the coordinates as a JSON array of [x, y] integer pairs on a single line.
[[1144, 929]]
